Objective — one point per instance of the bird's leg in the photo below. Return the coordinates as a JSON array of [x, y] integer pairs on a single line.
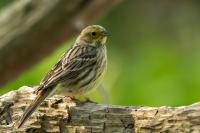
[[72, 98], [88, 100]]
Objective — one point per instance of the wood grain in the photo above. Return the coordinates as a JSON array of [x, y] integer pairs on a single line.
[[61, 114]]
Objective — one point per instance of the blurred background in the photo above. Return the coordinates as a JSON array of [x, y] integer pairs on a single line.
[[153, 54]]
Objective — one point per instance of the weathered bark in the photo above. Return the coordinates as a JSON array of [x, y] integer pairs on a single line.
[[61, 114], [31, 29]]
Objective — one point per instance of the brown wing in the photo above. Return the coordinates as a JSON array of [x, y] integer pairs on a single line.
[[71, 65]]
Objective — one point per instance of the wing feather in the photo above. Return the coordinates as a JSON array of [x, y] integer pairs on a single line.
[[71, 64]]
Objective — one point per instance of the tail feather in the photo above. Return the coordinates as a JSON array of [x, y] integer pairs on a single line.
[[33, 106]]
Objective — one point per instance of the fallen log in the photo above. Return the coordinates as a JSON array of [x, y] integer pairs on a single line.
[[61, 114]]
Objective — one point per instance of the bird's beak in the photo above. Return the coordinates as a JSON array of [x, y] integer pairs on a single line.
[[106, 33]]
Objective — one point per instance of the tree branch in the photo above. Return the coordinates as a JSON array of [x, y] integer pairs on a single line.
[[61, 114], [31, 29]]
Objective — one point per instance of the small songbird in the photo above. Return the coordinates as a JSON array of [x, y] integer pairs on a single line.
[[78, 71]]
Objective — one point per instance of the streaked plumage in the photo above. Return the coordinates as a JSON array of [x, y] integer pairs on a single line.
[[79, 70]]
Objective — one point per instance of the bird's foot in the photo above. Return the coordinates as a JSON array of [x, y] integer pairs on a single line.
[[88, 100], [72, 98]]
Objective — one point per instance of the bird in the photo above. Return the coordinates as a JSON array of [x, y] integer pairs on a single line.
[[79, 70]]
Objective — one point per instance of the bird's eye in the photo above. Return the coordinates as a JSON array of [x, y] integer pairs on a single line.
[[94, 33]]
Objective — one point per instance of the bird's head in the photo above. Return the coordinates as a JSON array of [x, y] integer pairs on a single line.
[[94, 34]]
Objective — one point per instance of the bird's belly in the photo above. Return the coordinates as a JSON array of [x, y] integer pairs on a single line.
[[91, 81]]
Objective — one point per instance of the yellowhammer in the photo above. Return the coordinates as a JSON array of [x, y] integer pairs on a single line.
[[78, 71]]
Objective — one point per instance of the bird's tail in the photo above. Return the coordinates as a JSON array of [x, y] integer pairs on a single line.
[[41, 95]]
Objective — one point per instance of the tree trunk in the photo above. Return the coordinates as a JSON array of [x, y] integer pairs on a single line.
[[32, 29], [61, 114]]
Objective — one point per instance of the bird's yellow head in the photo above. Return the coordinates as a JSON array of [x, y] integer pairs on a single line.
[[94, 34]]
